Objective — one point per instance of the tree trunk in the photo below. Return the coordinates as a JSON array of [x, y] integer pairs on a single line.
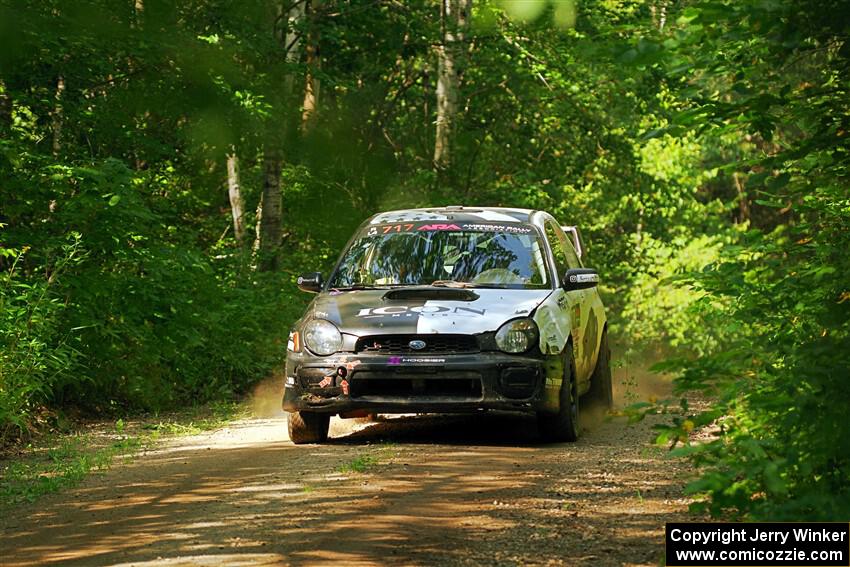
[[743, 201], [311, 86], [291, 40], [270, 218], [454, 19], [258, 228], [138, 13], [5, 106], [58, 117], [659, 14], [234, 191]]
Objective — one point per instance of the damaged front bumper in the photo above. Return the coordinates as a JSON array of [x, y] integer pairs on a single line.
[[374, 383]]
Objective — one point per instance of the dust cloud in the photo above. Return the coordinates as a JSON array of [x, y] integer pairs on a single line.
[[634, 382], [265, 403], [265, 400]]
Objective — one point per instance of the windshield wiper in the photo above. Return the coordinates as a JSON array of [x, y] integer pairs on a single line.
[[359, 286], [465, 285], [451, 283], [437, 283]]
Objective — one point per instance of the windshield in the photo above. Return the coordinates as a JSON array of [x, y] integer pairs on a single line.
[[462, 255]]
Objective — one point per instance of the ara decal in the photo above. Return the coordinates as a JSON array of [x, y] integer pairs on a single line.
[[439, 227]]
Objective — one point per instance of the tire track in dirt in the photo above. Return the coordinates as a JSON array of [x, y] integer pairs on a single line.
[[441, 490]]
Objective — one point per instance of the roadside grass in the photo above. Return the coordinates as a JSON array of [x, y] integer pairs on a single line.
[[363, 463], [359, 464], [59, 461]]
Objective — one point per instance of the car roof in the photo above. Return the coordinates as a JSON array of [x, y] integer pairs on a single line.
[[456, 213]]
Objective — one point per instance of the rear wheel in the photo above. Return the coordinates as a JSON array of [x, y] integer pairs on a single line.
[[601, 391], [563, 426], [308, 427]]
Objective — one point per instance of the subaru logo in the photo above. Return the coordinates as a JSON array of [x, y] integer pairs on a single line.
[[416, 344]]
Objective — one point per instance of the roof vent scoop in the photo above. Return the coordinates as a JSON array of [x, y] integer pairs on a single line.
[[429, 292]]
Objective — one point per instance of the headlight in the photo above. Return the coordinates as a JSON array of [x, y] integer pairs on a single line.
[[518, 335], [322, 337]]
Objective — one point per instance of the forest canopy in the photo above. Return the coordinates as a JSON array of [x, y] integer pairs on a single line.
[[167, 168]]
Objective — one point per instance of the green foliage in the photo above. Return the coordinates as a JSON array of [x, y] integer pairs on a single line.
[[63, 466], [62, 460], [774, 75], [659, 311], [702, 149], [34, 350]]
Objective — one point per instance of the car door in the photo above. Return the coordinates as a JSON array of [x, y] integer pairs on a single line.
[[578, 305], [569, 303], [589, 328]]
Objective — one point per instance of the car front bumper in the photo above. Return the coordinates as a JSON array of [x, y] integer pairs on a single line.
[[378, 383]]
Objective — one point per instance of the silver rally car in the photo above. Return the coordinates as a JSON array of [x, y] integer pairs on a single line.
[[447, 310]]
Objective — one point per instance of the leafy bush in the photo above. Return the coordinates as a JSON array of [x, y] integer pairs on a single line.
[[34, 350], [781, 378], [106, 321], [779, 371]]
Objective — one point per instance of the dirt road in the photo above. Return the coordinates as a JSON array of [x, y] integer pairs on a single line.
[[432, 490]]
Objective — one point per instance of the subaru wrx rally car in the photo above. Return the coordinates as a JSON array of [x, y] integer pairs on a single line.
[[448, 310]]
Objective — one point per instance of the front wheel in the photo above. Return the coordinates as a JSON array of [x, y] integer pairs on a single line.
[[308, 427], [563, 426]]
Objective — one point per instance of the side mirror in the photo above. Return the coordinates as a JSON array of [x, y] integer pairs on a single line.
[[580, 278], [311, 281]]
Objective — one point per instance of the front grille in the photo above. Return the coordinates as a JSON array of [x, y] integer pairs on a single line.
[[434, 344], [460, 386]]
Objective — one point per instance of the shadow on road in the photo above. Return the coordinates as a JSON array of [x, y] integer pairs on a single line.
[[486, 429], [438, 490]]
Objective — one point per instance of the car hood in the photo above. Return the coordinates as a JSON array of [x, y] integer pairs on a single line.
[[424, 309]]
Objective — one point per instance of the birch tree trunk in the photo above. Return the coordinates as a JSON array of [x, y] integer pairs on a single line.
[[659, 14], [270, 229], [291, 40], [58, 115], [311, 87], [138, 13], [5, 105], [454, 19], [258, 227], [234, 192], [270, 217]]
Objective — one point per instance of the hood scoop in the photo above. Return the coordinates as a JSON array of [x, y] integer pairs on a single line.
[[429, 292]]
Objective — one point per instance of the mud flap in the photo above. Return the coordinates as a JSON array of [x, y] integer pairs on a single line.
[[554, 376]]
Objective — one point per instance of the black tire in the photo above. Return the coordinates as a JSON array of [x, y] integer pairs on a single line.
[[563, 426], [601, 393], [308, 427]]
